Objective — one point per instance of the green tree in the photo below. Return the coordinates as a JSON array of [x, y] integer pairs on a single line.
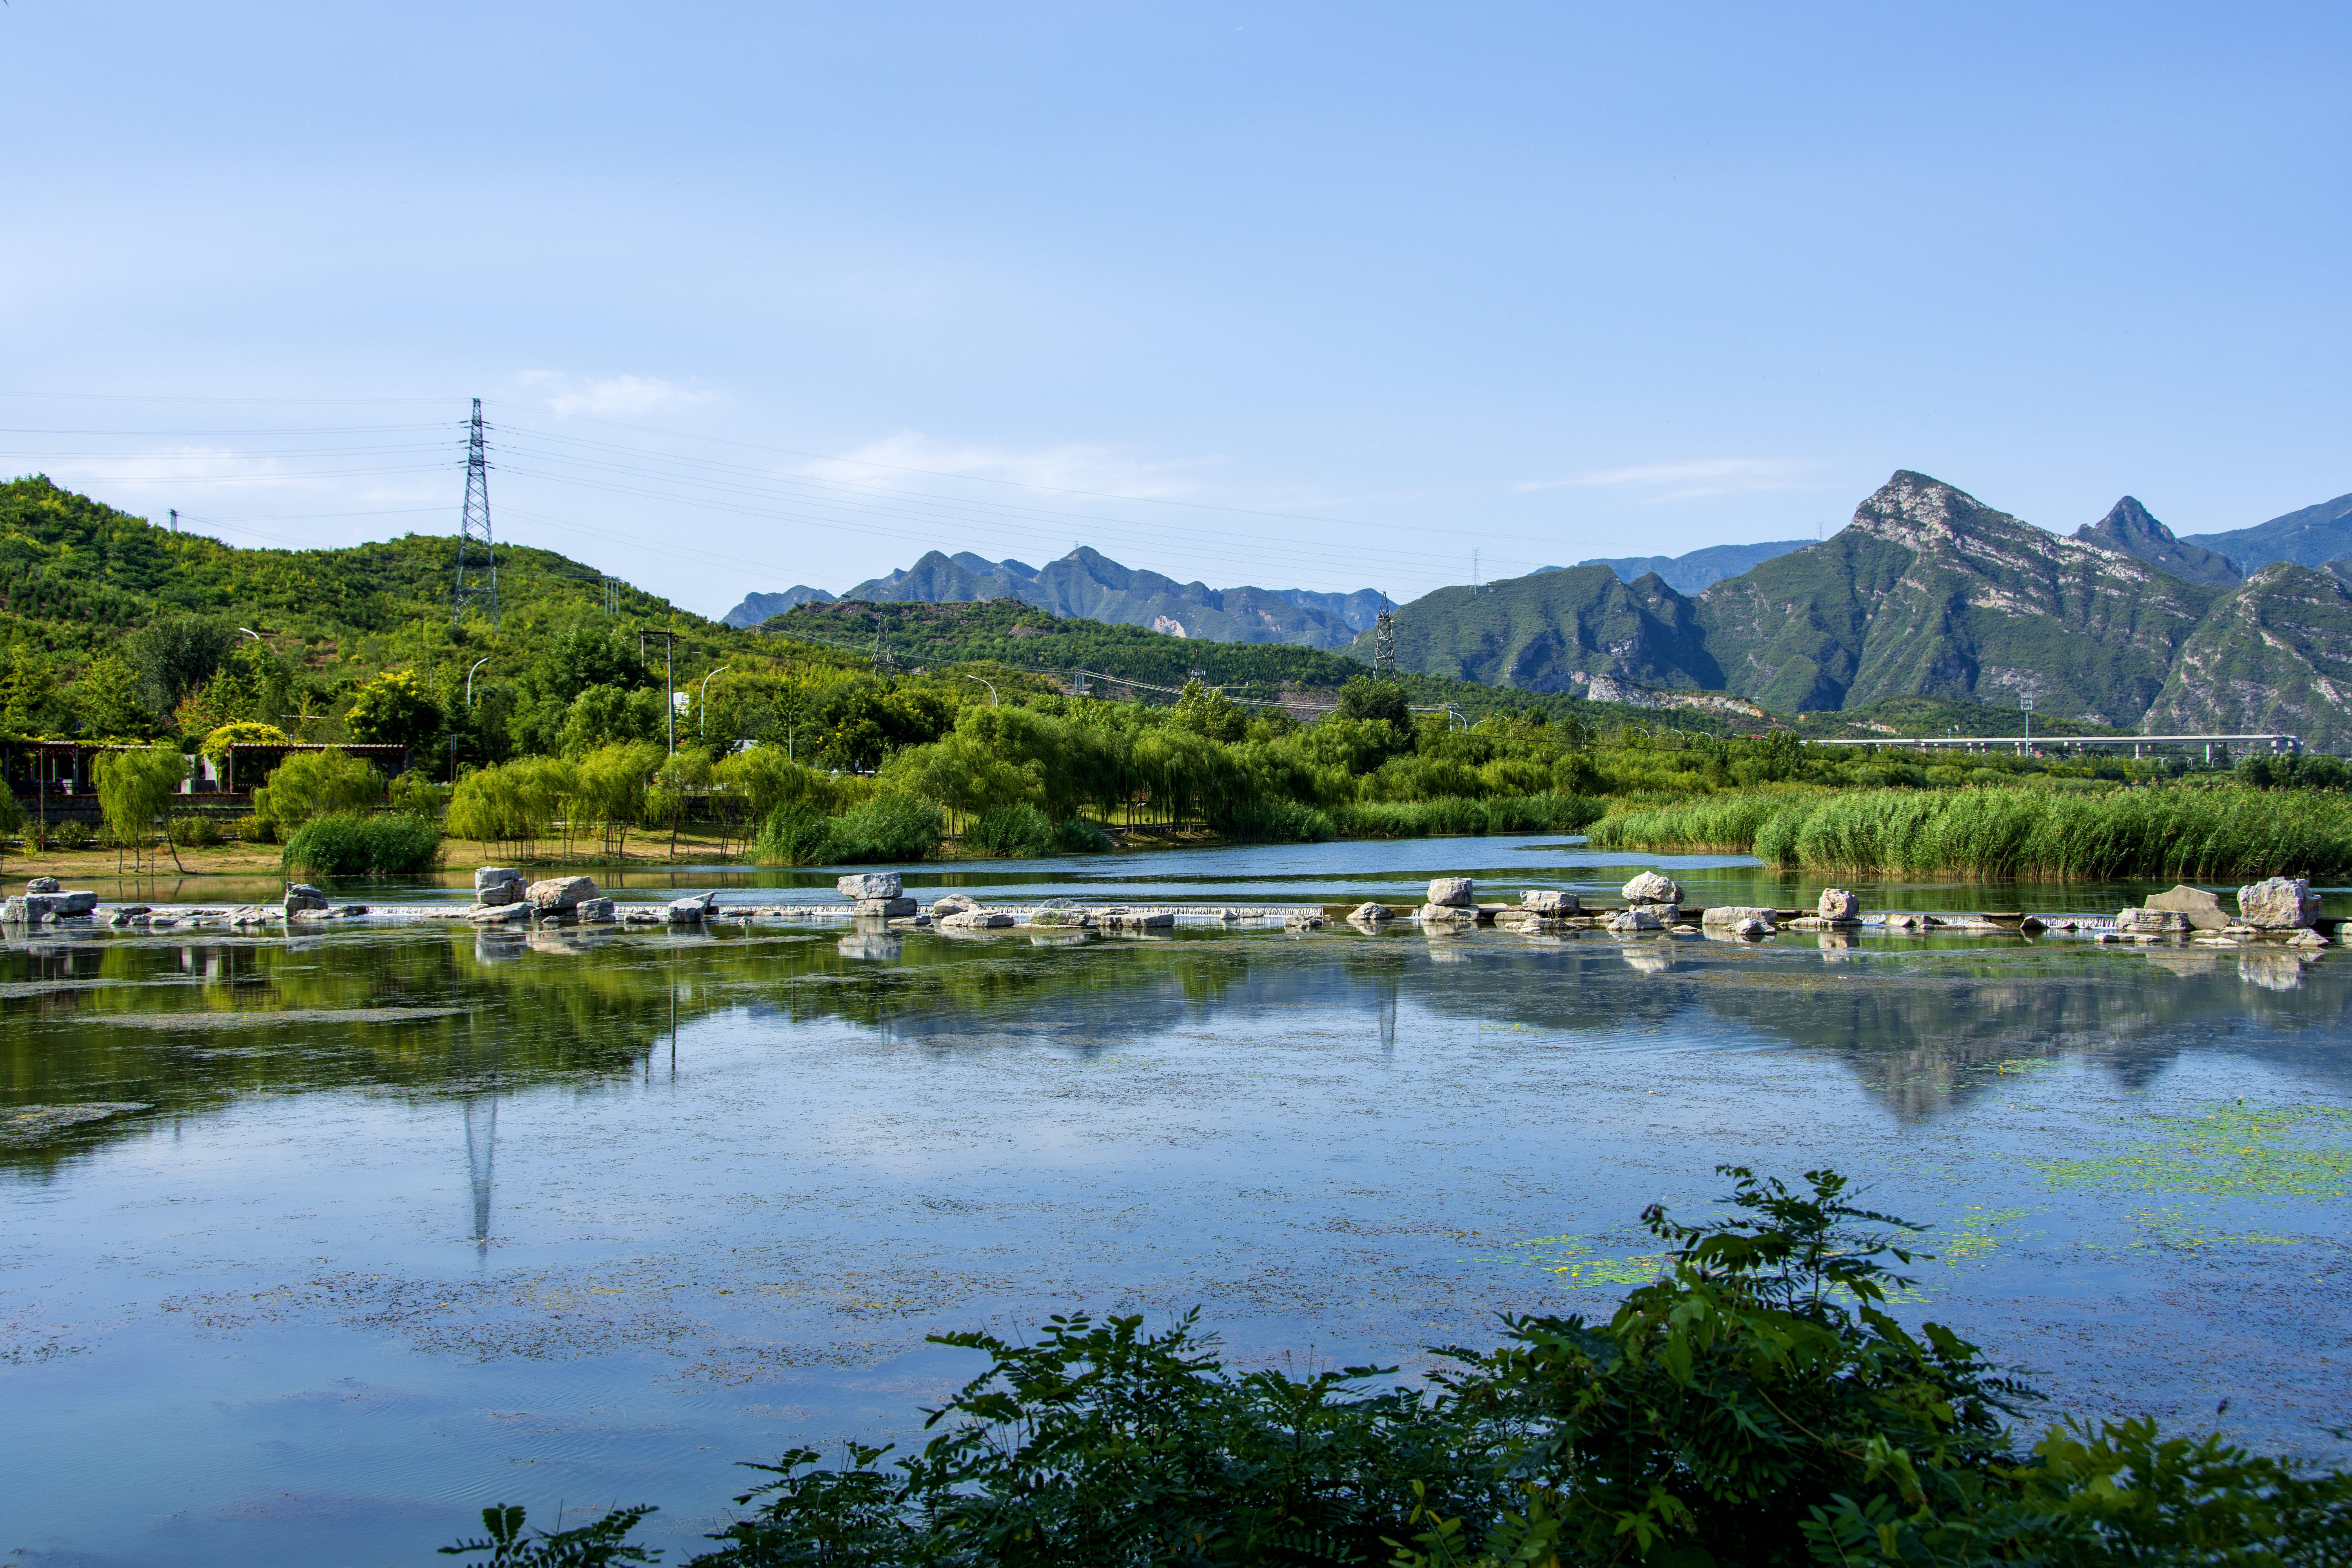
[[1210, 714], [395, 708], [215, 749], [609, 715], [29, 701], [174, 655], [107, 700], [312, 784], [1365, 698], [135, 789]]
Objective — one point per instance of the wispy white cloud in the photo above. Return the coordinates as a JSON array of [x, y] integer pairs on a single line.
[[1694, 477], [910, 457], [606, 397]]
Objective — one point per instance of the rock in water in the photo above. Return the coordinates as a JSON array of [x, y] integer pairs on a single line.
[[302, 895], [496, 885], [499, 914], [692, 912], [1450, 892], [594, 911], [870, 885], [975, 920], [1839, 907], [43, 885], [560, 895], [1754, 928], [1732, 914], [1550, 902], [2281, 903], [885, 909], [1650, 888], [1371, 915], [1637, 919], [1446, 915], [953, 904], [2152, 923], [2203, 909]]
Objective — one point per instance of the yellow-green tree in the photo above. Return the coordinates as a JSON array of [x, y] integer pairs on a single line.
[[135, 789], [107, 698], [312, 784]]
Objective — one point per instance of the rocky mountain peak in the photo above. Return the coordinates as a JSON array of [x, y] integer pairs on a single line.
[[2129, 528]]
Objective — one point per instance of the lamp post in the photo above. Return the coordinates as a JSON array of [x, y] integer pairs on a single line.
[[2027, 703], [992, 702], [701, 718], [470, 682]]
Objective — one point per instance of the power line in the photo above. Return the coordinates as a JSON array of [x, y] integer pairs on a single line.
[[477, 573]]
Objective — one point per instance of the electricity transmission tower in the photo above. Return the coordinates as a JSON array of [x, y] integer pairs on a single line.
[[478, 560], [1384, 643]]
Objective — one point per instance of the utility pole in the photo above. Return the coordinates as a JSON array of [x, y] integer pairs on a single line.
[[478, 560], [175, 519], [1384, 643], [2027, 703], [670, 691]]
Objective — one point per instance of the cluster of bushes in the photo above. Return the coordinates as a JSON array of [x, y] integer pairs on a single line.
[[1756, 1404], [344, 844], [2182, 831]]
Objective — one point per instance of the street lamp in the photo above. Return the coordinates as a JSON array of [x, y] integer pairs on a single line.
[[992, 702], [2027, 703], [702, 719], [470, 682]]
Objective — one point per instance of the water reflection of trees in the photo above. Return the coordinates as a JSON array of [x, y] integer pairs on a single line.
[[1924, 1028]]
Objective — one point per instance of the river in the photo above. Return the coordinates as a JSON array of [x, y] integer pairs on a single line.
[[357, 1233]]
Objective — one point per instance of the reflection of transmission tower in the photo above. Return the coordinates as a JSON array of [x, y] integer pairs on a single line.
[[478, 560], [1384, 643]]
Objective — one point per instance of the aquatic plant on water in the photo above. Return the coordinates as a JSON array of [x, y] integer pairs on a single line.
[[1756, 1404]]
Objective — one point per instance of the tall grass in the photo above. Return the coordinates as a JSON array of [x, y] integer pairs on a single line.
[[2193, 834], [1726, 823], [887, 828], [1550, 812], [343, 843]]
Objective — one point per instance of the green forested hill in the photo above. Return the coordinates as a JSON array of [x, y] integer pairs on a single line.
[[1539, 633], [87, 573]]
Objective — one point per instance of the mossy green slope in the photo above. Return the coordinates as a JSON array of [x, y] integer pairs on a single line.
[[2275, 655]]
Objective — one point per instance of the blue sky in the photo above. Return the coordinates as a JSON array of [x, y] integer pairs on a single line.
[[1314, 295]]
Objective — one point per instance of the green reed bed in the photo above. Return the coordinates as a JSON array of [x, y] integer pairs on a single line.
[[2194, 833], [1724, 823], [1550, 812]]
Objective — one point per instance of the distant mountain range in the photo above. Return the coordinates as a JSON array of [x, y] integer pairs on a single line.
[[758, 608], [1930, 593], [1701, 569], [1090, 585], [2311, 537]]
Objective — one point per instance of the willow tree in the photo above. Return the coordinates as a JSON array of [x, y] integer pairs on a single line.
[[135, 790]]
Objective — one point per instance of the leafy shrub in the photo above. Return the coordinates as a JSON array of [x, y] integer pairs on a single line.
[[192, 832], [72, 835], [418, 795], [255, 829], [796, 835], [241, 732], [348, 845], [888, 827], [1009, 832], [1076, 835], [1754, 1404]]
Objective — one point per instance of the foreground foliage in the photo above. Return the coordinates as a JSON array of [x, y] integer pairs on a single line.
[[2183, 831], [1756, 1404]]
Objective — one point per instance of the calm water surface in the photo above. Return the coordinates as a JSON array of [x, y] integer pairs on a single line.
[[390, 1224]]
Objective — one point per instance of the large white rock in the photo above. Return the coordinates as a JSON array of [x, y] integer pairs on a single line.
[[594, 912], [975, 920], [1450, 892], [1448, 915], [1650, 888], [2152, 923], [499, 914], [690, 911], [869, 884], [560, 895], [1371, 915], [2203, 909], [2281, 903], [885, 909], [953, 904], [1839, 907], [78, 902], [496, 893], [43, 885], [495, 877], [1732, 914], [1550, 902], [1636, 919]]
